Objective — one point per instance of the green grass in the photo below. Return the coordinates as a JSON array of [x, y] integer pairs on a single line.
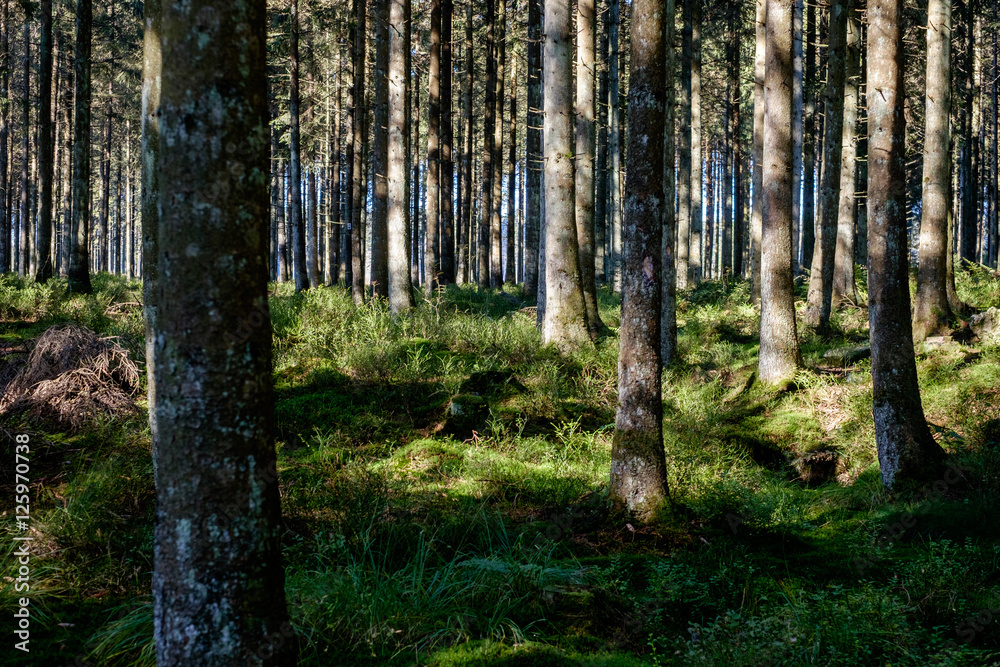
[[415, 537]]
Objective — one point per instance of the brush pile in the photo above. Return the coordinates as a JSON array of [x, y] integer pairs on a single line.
[[71, 375]]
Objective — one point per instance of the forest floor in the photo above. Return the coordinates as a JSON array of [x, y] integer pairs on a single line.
[[415, 536]]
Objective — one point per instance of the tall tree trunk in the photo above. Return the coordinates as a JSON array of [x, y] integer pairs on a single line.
[[152, 64], [336, 194], [843, 270], [500, 47], [432, 256], [510, 274], [818, 304], [533, 152], [5, 180], [731, 134], [312, 229], [489, 127], [586, 23], [780, 358], [932, 310], [970, 198], [757, 178], [400, 289], [668, 306], [695, 250], [22, 236], [468, 224], [808, 235], [798, 119], [380, 157], [284, 271], [218, 581], [638, 463], [295, 218], [614, 218], [565, 313], [447, 168], [683, 268], [355, 150], [906, 450], [416, 250], [601, 170], [43, 260], [79, 267]]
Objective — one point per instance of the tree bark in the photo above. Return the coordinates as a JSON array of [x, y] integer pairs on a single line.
[[79, 267], [757, 178], [500, 47], [668, 306], [400, 289], [565, 313], [808, 235], [638, 463], [432, 257], [932, 310], [355, 149], [906, 450], [218, 581], [510, 267], [489, 127], [683, 267], [843, 271], [5, 180], [295, 218], [380, 156], [601, 169], [43, 260], [533, 146], [697, 219], [614, 217], [152, 63], [780, 358], [586, 80], [447, 168], [818, 303]]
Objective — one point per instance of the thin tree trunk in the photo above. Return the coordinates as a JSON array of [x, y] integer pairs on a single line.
[[819, 301], [400, 289], [432, 256], [808, 234], [683, 268], [447, 168], [906, 450], [79, 268], [355, 150], [533, 152], [757, 178], [780, 358], [380, 157], [565, 313], [586, 23], [152, 64], [468, 224], [970, 196], [510, 275], [500, 47], [614, 218], [695, 251], [22, 235], [798, 127], [601, 170], [932, 310], [668, 307], [43, 260], [843, 270], [295, 217], [5, 180], [489, 127]]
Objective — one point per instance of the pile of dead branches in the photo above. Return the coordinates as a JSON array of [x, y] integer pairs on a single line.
[[72, 375]]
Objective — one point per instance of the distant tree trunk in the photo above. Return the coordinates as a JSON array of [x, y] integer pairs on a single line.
[[416, 250], [732, 135], [695, 251], [533, 144], [614, 218], [510, 273], [467, 224], [970, 198], [5, 180], [757, 178], [284, 272], [152, 63], [638, 463], [447, 168], [798, 118], [906, 450], [586, 23], [500, 47], [432, 256], [355, 150], [400, 289], [780, 358], [565, 313], [22, 236], [818, 304], [489, 127], [668, 305], [295, 218], [843, 270], [683, 267], [380, 157], [43, 261], [218, 580], [601, 170], [336, 195], [932, 310], [808, 235], [79, 267]]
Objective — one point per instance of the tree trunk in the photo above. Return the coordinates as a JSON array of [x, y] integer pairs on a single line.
[[500, 47], [295, 218], [818, 304], [43, 260], [683, 267], [970, 198], [152, 63], [489, 127], [932, 310], [432, 256], [468, 224], [416, 250], [798, 118], [780, 358], [601, 170], [380, 156], [447, 168], [757, 178], [218, 581], [533, 146], [336, 195], [586, 23], [668, 306], [5, 180], [808, 235], [695, 250], [638, 463], [614, 217], [565, 313], [510, 274], [22, 236], [79, 267], [400, 289], [843, 270], [355, 150], [906, 450]]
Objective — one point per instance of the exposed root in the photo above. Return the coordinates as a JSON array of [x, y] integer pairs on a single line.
[[70, 376]]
